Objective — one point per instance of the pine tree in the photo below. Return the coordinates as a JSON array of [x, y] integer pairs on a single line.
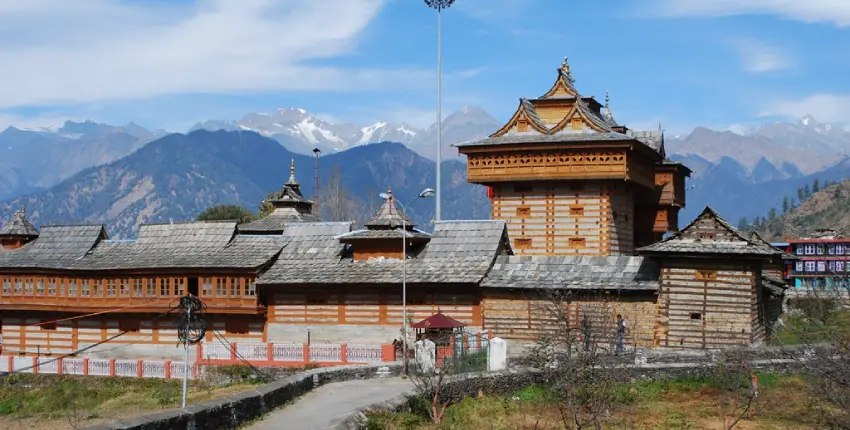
[[743, 225], [815, 186], [771, 214], [801, 195], [807, 192], [786, 204]]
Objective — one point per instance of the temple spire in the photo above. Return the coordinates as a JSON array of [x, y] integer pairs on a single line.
[[292, 180], [607, 100], [565, 69]]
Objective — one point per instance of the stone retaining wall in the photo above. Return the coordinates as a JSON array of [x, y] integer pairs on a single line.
[[230, 412]]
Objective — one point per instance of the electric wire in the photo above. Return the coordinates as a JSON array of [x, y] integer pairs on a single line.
[[263, 375], [113, 337], [90, 314]]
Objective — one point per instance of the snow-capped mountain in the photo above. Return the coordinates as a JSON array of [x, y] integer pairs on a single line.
[[299, 131]]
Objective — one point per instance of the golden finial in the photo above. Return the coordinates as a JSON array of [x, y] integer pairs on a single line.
[[565, 69]]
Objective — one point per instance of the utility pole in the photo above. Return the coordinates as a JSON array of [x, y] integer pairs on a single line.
[[191, 329]]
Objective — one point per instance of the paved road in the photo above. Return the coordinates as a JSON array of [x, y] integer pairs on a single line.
[[329, 404]]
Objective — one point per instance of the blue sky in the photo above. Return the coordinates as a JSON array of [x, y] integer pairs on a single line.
[[725, 64]]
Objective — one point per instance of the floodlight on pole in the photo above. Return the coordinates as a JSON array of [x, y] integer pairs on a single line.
[[439, 5], [427, 192]]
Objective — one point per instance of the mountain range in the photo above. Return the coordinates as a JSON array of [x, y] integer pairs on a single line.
[[123, 176], [300, 132]]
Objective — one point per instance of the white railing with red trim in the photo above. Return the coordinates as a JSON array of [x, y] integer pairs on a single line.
[[96, 367], [293, 354]]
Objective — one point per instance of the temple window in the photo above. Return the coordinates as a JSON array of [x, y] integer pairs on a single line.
[[7, 286], [252, 287], [28, 286], [180, 286], [19, 286], [207, 287], [577, 242], [72, 288], [85, 288], [523, 211], [221, 287], [235, 287], [51, 287], [165, 287], [138, 287], [151, 287], [124, 287], [39, 286]]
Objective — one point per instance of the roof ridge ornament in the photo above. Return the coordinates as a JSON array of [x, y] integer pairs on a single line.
[[565, 69], [292, 180]]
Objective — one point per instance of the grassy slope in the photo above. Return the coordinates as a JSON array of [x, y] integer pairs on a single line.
[[688, 403], [828, 208]]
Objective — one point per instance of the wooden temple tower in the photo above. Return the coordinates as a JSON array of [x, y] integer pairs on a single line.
[[570, 180]]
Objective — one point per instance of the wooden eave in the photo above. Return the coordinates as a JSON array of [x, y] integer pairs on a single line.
[[124, 273], [566, 120], [531, 146], [561, 83], [518, 115], [76, 308], [674, 168]]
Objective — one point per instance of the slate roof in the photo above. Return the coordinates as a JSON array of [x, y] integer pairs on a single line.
[[686, 242], [242, 252], [389, 216], [591, 273], [458, 252], [775, 286], [531, 113], [312, 242], [275, 222], [384, 234], [755, 237], [57, 247], [19, 226], [652, 139]]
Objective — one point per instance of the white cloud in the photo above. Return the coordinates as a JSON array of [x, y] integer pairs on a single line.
[[828, 108], [835, 12], [761, 57], [59, 52]]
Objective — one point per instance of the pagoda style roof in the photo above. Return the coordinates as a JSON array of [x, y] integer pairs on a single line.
[[389, 216], [710, 234], [275, 222], [290, 194], [569, 116], [290, 207], [438, 321], [19, 226]]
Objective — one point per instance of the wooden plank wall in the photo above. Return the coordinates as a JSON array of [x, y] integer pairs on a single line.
[[21, 335], [568, 219], [526, 315], [706, 305], [370, 305]]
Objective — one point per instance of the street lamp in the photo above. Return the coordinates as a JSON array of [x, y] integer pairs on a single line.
[[427, 192], [439, 5]]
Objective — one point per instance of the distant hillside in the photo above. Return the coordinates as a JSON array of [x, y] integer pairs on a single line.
[[826, 208], [177, 177]]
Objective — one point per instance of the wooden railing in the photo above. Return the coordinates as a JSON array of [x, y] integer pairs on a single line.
[[293, 354], [97, 367]]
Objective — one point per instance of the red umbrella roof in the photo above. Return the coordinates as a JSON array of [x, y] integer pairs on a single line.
[[438, 320]]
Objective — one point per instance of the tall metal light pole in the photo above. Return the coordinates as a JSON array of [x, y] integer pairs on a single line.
[[427, 192], [316, 151], [439, 5]]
